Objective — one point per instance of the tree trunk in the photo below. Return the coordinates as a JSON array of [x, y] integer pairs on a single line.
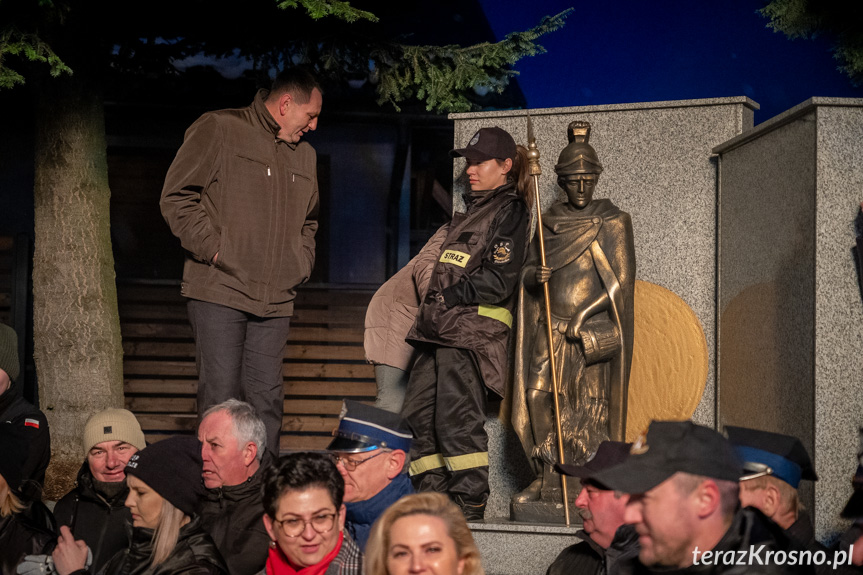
[[76, 326]]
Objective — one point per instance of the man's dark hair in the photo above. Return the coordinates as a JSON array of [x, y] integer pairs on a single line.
[[299, 472], [296, 81]]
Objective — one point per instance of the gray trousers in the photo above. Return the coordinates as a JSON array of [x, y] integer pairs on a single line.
[[239, 356], [392, 383]]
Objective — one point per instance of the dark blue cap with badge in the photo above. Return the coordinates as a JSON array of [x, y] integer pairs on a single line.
[[366, 428], [775, 454]]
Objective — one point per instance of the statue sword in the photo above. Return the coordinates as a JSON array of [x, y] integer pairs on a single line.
[[535, 171]]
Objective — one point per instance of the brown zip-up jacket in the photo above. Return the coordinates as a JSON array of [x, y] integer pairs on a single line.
[[235, 189]]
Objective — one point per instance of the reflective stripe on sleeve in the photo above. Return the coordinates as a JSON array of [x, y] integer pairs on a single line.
[[499, 313], [427, 463], [468, 461]]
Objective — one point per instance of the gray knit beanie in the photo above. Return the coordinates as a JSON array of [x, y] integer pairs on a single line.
[[9, 352], [112, 425]]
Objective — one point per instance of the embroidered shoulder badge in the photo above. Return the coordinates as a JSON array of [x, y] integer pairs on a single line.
[[502, 252]]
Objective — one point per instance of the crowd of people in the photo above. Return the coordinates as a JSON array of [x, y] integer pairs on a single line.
[[242, 197], [683, 499]]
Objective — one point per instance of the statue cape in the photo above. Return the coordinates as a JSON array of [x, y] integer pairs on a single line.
[[568, 234]]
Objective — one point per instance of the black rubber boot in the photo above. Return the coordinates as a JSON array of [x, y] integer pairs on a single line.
[[473, 512]]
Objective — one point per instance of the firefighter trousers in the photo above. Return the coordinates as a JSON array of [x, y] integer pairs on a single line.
[[445, 405]]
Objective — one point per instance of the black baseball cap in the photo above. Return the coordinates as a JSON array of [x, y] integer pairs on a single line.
[[488, 144], [766, 453], [608, 454], [671, 447]]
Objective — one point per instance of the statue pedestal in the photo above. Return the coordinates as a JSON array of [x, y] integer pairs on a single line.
[[509, 548], [550, 512]]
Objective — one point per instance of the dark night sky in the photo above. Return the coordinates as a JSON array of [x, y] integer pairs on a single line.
[[618, 51]]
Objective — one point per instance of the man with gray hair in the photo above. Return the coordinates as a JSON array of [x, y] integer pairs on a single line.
[[234, 451]]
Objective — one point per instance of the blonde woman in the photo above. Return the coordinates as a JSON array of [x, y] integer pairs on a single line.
[[422, 533], [18, 535], [164, 485]]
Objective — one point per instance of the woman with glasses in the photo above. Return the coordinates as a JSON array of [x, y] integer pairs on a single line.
[[305, 518]]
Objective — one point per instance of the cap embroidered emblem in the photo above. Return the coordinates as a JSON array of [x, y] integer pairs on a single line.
[[107, 429], [474, 140], [640, 446], [591, 456]]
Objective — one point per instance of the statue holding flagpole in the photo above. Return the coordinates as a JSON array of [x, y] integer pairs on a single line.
[[574, 331]]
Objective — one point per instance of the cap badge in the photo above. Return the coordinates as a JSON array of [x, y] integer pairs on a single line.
[[639, 447], [474, 140], [591, 457], [107, 429]]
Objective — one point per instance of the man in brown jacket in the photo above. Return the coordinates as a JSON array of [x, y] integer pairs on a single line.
[[242, 196]]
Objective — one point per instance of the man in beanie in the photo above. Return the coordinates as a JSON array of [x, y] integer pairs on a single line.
[[23, 416], [95, 509], [606, 539], [773, 466], [163, 478], [370, 451], [683, 485], [235, 455]]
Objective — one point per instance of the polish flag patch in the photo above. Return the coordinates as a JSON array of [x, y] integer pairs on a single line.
[[31, 423]]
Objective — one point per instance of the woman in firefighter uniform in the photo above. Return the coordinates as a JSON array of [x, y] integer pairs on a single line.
[[463, 324]]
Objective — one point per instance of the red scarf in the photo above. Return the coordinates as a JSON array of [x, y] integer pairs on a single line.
[[278, 564]]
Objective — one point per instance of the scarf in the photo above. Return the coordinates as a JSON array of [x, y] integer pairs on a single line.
[[278, 564]]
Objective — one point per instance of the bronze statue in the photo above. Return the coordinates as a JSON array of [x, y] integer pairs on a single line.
[[591, 275]]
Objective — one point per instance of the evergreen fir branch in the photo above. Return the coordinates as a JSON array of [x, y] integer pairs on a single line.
[[441, 75], [30, 47], [317, 9], [841, 22]]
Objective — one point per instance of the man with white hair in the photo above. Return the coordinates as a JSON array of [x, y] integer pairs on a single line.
[[234, 453]]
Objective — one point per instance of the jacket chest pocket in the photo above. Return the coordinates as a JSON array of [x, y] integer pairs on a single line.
[[462, 252], [300, 183], [251, 183]]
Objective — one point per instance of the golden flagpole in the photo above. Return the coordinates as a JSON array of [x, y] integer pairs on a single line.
[[535, 171]]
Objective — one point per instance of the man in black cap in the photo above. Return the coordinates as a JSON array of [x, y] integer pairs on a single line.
[[370, 451], [683, 485], [774, 464], [606, 539]]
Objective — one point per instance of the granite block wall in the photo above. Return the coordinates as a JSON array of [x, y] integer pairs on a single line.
[[790, 307]]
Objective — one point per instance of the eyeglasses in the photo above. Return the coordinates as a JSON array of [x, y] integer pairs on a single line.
[[352, 464], [295, 526]]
